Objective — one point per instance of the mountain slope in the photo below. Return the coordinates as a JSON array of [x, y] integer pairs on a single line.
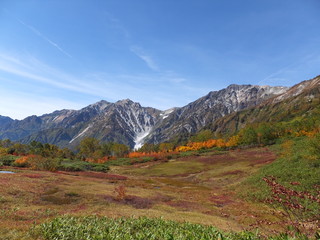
[[129, 123], [205, 110], [300, 100], [124, 122], [4, 121]]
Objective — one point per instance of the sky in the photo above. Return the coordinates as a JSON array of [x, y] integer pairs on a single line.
[[57, 54]]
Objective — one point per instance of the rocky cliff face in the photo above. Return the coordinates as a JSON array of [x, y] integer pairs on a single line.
[[124, 122], [306, 87], [196, 115], [300, 100]]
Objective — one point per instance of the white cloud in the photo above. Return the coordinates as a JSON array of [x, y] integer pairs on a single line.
[[29, 86], [282, 75], [117, 25], [35, 70], [37, 32], [41, 35], [145, 57]]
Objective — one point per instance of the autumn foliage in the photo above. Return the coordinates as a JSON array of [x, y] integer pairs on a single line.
[[98, 160], [154, 155], [37, 162], [24, 161], [220, 143], [295, 205]]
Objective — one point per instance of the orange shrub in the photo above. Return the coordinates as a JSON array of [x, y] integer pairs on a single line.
[[24, 161], [195, 146], [21, 162], [99, 160], [183, 149], [307, 133], [155, 155], [138, 154], [37, 162], [233, 141]]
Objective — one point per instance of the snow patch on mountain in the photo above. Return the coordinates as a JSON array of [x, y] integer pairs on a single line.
[[139, 138], [80, 134], [166, 113]]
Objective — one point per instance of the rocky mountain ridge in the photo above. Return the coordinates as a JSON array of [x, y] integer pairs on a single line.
[[129, 123], [216, 104], [123, 121], [301, 100]]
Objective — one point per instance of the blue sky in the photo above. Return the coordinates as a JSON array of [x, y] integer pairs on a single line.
[[162, 53]]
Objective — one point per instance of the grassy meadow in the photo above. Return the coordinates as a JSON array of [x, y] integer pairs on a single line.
[[198, 188]]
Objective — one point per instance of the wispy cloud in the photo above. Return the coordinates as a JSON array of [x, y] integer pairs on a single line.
[[281, 75], [37, 32], [41, 35], [99, 85], [116, 24], [54, 87], [136, 50], [139, 52], [37, 71]]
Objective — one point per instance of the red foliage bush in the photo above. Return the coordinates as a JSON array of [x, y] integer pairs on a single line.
[[295, 205], [120, 192]]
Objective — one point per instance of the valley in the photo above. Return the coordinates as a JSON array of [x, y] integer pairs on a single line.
[[197, 188], [243, 160], [159, 120]]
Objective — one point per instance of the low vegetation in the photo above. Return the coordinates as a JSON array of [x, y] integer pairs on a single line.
[[93, 227], [291, 184], [264, 178]]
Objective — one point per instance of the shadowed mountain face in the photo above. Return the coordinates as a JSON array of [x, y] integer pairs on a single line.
[[129, 123], [5, 120]]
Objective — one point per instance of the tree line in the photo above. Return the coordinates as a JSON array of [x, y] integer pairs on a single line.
[[88, 148], [93, 150]]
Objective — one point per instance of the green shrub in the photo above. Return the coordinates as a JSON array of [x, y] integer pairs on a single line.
[[119, 162], [295, 181], [41, 163], [100, 168], [77, 166], [297, 163], [7, 160], [146, 159], [93, 227], [100, 228]]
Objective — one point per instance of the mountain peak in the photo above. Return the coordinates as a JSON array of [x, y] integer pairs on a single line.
[[5, 120], [100, 106], [127, 100], [232, 86], [100, 103]]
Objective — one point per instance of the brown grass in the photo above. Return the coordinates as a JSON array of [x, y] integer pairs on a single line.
[[201, 191]]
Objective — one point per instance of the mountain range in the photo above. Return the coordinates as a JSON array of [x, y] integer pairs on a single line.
[[300, 101], [129, 123]]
